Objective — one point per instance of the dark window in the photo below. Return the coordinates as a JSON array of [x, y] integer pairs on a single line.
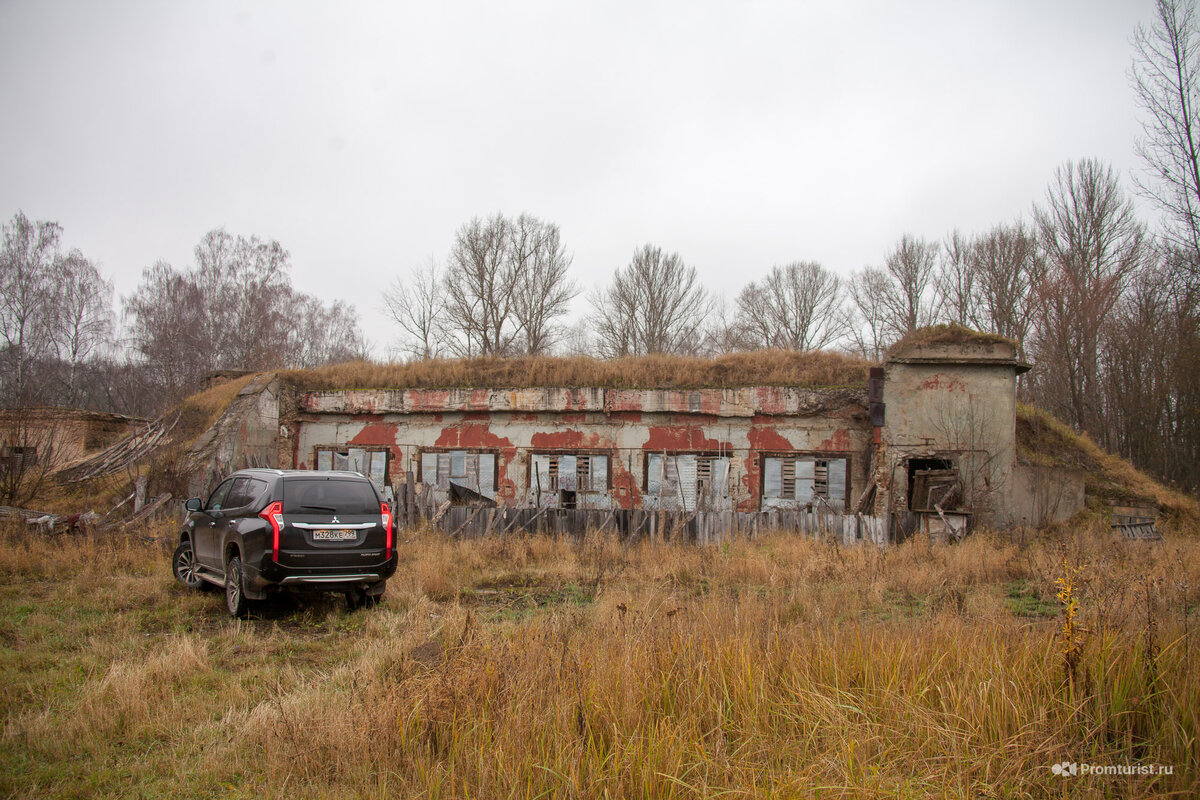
[[216, 500], [244, 492], [933, 482], [19, 458], [318, 496]]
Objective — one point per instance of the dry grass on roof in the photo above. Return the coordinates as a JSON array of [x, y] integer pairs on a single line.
[[950, 333], [200, 411], [1045, 441], [758, 368]]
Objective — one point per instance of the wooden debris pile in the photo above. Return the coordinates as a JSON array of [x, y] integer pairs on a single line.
[[125, 453], [50, 523]]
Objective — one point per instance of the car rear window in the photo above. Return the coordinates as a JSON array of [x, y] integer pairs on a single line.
[[328, 495]]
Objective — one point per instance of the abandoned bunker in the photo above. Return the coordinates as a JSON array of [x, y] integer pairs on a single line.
[[930, 432]]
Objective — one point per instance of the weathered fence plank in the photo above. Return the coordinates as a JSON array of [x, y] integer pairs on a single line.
[[700, 527]]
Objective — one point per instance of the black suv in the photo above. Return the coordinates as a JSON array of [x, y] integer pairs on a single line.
[[268, 530]]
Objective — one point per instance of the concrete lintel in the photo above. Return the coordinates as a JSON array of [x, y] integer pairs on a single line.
[[738, 402]]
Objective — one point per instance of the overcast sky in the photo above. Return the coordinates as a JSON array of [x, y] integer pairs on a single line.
[[361, 136]]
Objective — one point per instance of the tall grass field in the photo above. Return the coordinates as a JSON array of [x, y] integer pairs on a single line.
[[532, 667]]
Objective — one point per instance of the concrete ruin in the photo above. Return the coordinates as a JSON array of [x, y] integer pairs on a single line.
[[930, 442], [55, 437]]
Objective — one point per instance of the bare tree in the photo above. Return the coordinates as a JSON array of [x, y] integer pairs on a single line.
[[910, 301], [417, 305], [324, 334], [1008, 268], [480, 282], [249, 316], [955, 281], [30, 258], [869, 333], [654, 305], [169, 329], [577, 340], [505, 284], [729, 329], [235, 309], [1093, 243], [796, 307], [1166, 79], [84, 319], [543, 291]]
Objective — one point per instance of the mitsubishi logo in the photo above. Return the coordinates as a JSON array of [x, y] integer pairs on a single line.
[[335, 519]]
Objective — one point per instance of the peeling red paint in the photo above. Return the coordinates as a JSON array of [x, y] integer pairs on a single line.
[[770, 400], [472, 435], [941, 381], [556, 440], [839, 442], [765, 438], [762, 437], [750, 482], [429, 399], [681, 437], [625, 485], [377, 433]]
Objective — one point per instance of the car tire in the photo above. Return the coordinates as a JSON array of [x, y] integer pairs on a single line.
[[235, 589], [184, 567]]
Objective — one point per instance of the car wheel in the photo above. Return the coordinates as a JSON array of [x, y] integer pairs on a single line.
[[235, 589], [183, 565]]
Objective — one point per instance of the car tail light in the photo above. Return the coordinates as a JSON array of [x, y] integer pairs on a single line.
[[386, 513], [274, 515]]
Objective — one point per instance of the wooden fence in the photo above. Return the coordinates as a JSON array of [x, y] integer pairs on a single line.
[[702, 527]]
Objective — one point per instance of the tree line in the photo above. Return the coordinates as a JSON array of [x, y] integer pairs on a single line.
[[62, 343]]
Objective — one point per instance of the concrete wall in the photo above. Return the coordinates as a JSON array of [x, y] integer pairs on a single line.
[[742, 425], [1042, 495], [246, 435], [62, 435], [955, 402]]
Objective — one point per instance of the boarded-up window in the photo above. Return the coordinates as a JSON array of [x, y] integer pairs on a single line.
[[472, 470], [687, 480], [792, 481], [372, 463], [553, 472]]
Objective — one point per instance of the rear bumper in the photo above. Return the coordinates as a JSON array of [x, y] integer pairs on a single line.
[[270, 576], [321, 580]]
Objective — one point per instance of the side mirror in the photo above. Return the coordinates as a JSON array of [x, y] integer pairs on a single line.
[[194, 504]]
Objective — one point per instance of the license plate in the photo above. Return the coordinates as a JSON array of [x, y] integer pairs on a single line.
[[334, 536]]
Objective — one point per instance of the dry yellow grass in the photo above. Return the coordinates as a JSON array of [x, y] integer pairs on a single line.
[[758, 368], [199, 411], [949, 333], [530, 667]]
